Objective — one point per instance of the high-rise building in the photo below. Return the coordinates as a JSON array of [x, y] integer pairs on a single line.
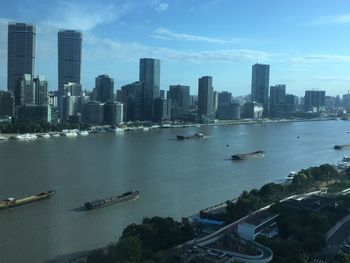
[[21, 55], [260, 85], [291, 102], [224, 98], [52, 98], [150, 77], [113, 114], [314, 100], [93, 112], [162, 94], [69, 58], [278, 101], [133, 101], [7, 103], [35, 113], [253, 110], [162, 109], [25, 93], [70, 106], [231, 111], [104, 86], [205, 98], [41, 95], [215, 101], [346, 102], [180, 101], [74, 89]]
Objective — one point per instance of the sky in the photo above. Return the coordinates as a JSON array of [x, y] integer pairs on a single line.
[[306, 43]]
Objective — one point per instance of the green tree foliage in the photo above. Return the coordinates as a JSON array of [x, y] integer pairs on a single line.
[[342, 258], [140, 242]]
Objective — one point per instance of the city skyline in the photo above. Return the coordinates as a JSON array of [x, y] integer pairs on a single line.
[[306, 49]]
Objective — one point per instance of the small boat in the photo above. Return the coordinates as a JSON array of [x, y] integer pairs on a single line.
[[145, 129], [196, 135], [56, 135], [346, 159], [243, 156], [83, 133], [45, 135], [291, 175], [119, 130], [70, 134], [25, 137]]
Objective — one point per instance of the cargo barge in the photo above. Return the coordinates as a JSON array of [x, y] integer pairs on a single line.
[[243, 156], [13, 202], [196, 135], [341, 146], [131, 195]]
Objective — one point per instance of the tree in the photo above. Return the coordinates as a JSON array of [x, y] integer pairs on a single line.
[[129, 248]]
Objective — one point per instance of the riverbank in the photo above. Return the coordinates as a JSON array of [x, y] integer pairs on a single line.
[[144, 126]]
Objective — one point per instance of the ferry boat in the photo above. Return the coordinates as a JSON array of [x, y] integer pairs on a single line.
[[196, 135], [243, 156], [99, 203], [13, 202]]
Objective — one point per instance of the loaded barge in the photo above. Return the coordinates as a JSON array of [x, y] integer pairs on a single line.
[[131, 195], [341, 146], [196, 135], [13, 202], [243, 156]]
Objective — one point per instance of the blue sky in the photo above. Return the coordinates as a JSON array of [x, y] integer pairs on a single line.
[[307, 43]]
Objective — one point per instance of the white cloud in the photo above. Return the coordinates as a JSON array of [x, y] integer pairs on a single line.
[[85, 16], [164, 33], [318, 58], [329, 20], [159, 6], [112, 49]]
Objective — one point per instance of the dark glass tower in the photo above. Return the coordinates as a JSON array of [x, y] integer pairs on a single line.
[[260, 85], [69, 58], [150, 77], [104, 86], [21, 54], [205, 98]]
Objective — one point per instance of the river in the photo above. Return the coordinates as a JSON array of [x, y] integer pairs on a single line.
[[175, 178]]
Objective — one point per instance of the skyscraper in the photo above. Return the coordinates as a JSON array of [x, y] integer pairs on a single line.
[[41, 95], [205, 97], [150, 77], [21, 55], [180, 101], [133, 101], [69, 58], [224, 98], [314, 100], [104, 86], [278, 100], [260, 85], [7, 103]]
